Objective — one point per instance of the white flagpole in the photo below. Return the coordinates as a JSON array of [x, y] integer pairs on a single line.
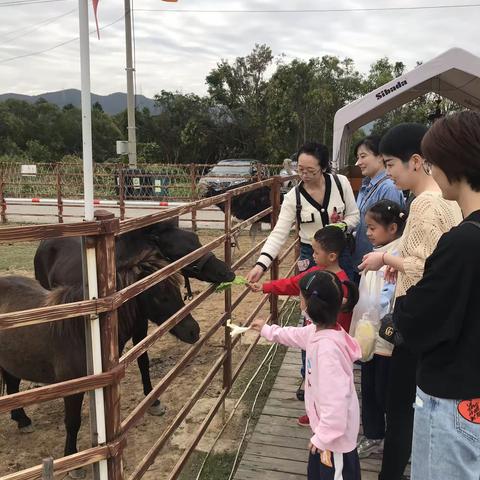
[[86, 109], [92, 323]]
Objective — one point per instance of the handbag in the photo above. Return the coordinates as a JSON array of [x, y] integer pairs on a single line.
[[389, 332]]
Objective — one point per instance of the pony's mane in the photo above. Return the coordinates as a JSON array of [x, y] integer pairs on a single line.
[[136, 268], [145, 263]]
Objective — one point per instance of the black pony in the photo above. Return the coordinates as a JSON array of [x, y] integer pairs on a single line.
[[58, 262]]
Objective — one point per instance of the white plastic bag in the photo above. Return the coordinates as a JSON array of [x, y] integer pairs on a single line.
[[366, 317]]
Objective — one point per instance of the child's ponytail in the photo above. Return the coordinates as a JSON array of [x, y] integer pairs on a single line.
[[352, 296], [323, 293], [387, 212]]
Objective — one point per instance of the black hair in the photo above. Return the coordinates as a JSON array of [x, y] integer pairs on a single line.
[[323, 292], [453, 145], [403, 141], [386, 212], [319, 151], [331, 239], [372, 142]]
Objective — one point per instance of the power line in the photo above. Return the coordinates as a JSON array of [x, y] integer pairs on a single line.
[[40, 52], [33, 28], [313, 10], [28, 2]]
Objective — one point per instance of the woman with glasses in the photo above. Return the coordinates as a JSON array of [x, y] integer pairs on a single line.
[[430, 217], [320, 199], [317, 201]]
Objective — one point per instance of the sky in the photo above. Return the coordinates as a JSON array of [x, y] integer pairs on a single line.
[[175, 50]]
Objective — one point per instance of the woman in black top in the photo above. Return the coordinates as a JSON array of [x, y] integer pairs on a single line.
[[439, 317]]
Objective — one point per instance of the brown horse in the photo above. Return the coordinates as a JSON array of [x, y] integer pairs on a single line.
[[54, 352]]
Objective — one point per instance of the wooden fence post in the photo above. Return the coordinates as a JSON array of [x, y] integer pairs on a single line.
[[107, 285], [3, 204], [59, 192], [227, 365], [47, 469], [274, 269]]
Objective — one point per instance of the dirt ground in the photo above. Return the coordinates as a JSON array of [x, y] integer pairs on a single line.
[[20, 451]]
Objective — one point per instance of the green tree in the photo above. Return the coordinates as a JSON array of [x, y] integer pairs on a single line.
[[239, 91]]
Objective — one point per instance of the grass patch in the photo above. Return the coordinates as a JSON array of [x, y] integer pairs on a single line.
[[17, 256], [218, 466]]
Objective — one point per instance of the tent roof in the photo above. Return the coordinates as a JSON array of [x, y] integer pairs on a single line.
[[454, 74]]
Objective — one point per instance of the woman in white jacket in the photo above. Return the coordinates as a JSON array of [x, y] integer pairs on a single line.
[[320, 199]]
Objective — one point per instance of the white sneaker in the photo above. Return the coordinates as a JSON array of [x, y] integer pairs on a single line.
[[367, 446]]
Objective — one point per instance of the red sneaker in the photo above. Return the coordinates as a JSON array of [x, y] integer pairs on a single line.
[[303, 421]]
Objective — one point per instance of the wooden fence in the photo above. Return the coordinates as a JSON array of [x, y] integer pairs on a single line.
[[102, 232]]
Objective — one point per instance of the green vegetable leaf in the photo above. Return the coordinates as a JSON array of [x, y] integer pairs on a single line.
[[238, 280]]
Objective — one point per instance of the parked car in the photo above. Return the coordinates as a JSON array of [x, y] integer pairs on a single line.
[[230, 172]]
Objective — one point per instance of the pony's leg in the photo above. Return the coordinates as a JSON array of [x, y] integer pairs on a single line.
[[18, 415], [144, 366], [73, 420]]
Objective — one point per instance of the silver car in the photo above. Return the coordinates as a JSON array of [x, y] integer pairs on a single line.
[[231, 172]]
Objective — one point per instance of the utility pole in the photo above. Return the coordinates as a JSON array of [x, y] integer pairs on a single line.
[[131, 129]]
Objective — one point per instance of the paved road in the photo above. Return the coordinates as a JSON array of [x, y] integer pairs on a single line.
[[212, 218]]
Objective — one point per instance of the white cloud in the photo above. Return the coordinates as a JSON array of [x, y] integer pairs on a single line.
[[175, 51]]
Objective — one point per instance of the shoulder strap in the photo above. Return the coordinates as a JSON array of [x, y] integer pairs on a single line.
[[473, 222], [298, 207], [339, 186], [371, 192]]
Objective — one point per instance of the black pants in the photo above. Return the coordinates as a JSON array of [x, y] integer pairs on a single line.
[[400, 399], [374, 396], [330, 466]]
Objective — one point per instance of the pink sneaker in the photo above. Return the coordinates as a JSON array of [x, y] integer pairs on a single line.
[[303, 421]]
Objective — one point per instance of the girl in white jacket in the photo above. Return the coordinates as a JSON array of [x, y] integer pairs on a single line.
[[385, 221]]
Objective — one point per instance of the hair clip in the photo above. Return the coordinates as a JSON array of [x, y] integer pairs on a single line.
[[389, 207], [401, 214]]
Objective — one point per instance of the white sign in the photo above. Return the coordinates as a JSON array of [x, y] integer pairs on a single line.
[[28, 170]]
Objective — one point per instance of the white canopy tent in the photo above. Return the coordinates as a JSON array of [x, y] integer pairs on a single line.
[[454, 74]]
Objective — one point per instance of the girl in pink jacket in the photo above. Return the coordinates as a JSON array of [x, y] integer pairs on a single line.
[[330, 397]]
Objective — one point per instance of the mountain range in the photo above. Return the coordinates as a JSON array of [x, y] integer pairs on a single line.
[[111, 104]]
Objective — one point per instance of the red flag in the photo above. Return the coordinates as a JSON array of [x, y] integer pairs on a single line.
[[95, 6]]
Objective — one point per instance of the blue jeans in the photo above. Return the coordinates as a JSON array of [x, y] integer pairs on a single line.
[[445, 444]]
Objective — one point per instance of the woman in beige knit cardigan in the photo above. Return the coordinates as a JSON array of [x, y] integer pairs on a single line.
[[429, 218]]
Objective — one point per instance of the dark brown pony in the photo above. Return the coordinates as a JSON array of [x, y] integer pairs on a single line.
[[54, 352], [58, 261]]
